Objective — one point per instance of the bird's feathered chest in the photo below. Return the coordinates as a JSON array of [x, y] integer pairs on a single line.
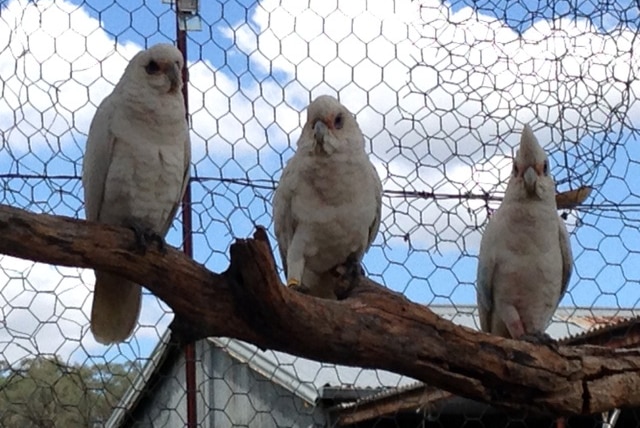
[[147, 165], [531, 227], [334, 205], [152, 112], [152, 147], [334, 180], [525, 244]]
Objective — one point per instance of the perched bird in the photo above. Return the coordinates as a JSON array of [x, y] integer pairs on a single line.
[[135, 170], [326, 208], [525, 257]]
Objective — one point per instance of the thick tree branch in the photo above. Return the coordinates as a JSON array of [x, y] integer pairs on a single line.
[[372, 328]]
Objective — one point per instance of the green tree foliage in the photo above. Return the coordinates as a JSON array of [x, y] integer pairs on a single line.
[[44, 392]]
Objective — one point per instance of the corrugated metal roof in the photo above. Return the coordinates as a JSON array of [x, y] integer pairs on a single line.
[[305, 377]]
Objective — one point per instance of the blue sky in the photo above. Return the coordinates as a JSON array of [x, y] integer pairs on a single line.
[[245, 104], [520, 15]]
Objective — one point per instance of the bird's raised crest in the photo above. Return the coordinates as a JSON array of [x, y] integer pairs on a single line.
[[529, 151]]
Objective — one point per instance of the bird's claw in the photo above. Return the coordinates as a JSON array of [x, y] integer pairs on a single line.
[[354, 267], [541, 338], [349, 272], [145, 236], [152, 236]]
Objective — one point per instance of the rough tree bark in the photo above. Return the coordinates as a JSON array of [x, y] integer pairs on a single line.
[[372, 328]]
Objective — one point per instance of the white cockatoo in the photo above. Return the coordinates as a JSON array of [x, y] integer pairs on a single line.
[[136, 168], [327, 205], [525, 257]]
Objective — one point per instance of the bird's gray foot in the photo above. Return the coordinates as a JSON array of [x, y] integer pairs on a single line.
[[354, 267], [145, 236], [351, 270], [540, 338]]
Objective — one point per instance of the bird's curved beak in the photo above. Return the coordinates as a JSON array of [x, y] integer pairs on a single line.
[[530, 178], [323, 140], [320, 131], [174, 73]]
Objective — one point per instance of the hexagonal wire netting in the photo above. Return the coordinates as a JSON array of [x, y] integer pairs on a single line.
[[441, 91]]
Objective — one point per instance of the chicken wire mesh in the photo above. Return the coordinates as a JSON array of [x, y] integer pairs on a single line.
[[441, 91]]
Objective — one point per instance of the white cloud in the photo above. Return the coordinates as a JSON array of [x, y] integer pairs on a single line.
[[481, 79], [56, 65], [469, 81], [229, 119], [45, 309]]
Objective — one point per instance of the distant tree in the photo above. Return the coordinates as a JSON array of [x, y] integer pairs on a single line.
[[44, 392]]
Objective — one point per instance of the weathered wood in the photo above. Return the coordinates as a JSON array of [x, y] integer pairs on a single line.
[[373, 328]]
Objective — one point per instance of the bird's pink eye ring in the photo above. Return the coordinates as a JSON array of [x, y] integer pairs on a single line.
[[338, 122], [152, 67]]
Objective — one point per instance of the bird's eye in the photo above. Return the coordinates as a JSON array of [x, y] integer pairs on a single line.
[[545, 168], [152, 67], [338, 122]]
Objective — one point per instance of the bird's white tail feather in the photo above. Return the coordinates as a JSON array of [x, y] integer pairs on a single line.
[[115, 310]]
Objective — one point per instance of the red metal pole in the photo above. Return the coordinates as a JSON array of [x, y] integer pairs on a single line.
[[187, 238]]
